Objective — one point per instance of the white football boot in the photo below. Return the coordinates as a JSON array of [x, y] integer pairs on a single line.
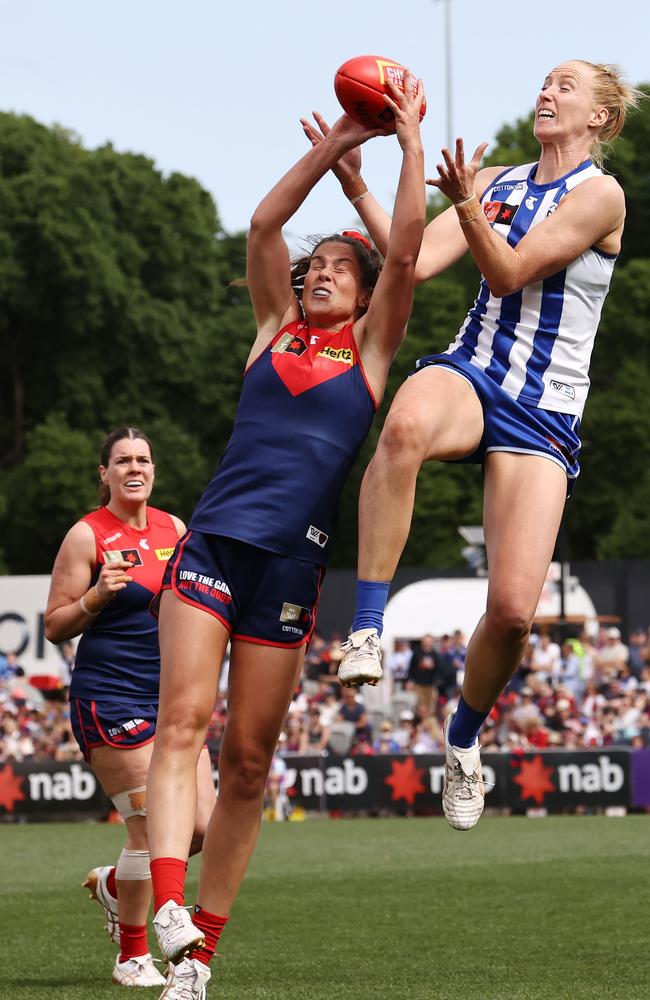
[[463, 790], [361, 663], [96, 880], [187, 981], [176, 933], [138, 971]]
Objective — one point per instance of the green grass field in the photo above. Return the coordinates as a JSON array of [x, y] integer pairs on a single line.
[[404, 909]]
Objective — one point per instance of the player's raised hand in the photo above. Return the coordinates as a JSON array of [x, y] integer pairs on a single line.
[[455, 176], [406, 106], [349, 165]]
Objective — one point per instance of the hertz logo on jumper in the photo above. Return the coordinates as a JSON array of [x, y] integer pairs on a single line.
[[343, 354]]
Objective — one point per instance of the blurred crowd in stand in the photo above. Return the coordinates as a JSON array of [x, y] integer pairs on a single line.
[[588, 691]]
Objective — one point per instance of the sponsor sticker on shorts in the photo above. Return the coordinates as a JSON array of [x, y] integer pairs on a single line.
[[317, 536], [295, 613]]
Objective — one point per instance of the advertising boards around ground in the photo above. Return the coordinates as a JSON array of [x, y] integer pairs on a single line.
[[50, 790], [553, 782]]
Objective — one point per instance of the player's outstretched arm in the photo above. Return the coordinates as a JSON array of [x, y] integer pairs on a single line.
[[384, 325]]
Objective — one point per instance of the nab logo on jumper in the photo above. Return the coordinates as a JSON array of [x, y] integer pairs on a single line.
[[304, 412]]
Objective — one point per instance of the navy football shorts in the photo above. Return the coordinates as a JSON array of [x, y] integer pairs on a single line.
[[513, 426], [121, 725], [259, 596]]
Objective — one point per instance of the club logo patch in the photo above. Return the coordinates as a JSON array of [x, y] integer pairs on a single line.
[[131, 556], [499, 212], [295, 614], [288, 344], [317, 536]]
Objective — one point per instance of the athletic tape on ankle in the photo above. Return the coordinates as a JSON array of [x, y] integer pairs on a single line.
[[131, 803], [133, 866]]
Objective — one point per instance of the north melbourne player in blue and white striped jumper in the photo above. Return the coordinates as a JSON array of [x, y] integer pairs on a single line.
[[509, 391]]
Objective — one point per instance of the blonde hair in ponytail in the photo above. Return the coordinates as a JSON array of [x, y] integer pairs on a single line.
[[612, 92]]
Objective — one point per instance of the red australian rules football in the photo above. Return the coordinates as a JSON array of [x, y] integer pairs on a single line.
[[360, 85]]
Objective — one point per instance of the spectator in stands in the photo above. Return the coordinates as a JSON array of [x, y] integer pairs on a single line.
[[447, 674], [611, 656], [385, 742], [545, 660], [352, 709], [398, 663], [315, 735], [638, 651], [405, 732], [424, 672]]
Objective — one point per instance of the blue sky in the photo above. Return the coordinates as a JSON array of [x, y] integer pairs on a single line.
[[216, 89]]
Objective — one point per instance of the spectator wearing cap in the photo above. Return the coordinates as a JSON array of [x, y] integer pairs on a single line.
[[405, 731], [612, 655], [385, 741]]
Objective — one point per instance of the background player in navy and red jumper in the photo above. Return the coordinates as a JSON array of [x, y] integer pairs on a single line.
[[250, 567], [108, 568]]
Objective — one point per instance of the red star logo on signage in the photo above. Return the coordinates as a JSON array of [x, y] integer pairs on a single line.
[[535, 780], [405, 780], [10, 788]]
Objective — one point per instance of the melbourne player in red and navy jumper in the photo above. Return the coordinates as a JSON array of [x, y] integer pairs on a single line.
[[250, 566], [114, 687], [109, 565], [304, 412]]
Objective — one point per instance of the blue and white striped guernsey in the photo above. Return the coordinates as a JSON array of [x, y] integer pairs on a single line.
[[537, 343]]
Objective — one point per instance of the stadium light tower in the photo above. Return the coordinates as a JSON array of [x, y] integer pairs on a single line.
[[448, 73]]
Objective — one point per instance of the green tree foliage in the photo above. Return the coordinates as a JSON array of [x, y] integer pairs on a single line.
[[118, 307]]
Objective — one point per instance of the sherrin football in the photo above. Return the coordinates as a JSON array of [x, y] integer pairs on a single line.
[[360, 85]]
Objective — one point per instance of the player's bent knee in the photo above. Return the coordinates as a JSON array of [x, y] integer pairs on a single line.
[[404, 437], [246, 779], [509, 620], [133, 866], [131, 803]]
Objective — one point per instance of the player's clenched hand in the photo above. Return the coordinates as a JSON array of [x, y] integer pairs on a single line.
[[112, 578]]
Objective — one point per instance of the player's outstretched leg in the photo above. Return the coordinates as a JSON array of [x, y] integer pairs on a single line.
[[187, 981], [97, 881], [361, 663], [463, 792]]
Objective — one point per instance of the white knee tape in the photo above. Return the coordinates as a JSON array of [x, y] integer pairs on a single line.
[[133, 866], [131, 803]]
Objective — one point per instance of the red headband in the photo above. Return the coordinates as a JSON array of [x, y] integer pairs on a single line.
[[354, 235]]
